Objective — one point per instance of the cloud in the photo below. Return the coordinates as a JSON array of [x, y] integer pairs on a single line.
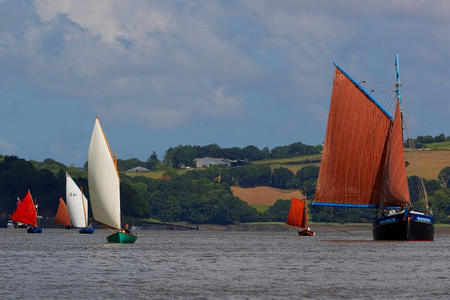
[[183, 64]]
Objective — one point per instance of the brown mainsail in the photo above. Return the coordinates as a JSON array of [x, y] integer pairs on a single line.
[[351, 170], [62, 215]]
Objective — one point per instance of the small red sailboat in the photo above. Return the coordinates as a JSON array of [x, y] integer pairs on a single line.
[[26, 213], [62, 215], [298, 217]]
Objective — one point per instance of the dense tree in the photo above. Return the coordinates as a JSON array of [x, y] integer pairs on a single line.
[[306, 179], [440, 204], [444, 177], [278, 212], [282, 178], [132, 203], [152, 161]]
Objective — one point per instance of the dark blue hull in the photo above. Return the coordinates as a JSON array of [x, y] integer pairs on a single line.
[[34, 230], [87, 230], [409, 226]]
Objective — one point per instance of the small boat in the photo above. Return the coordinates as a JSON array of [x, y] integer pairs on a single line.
[[10, 224], [363, 162], [298, 217], [62, 215], [87, 230], [77, 203], [26, 213], [104, 186]]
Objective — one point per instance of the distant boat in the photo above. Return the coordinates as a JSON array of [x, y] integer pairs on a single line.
[[62, 215], [363, 162], [298, 217], [77, 204], [104, 186], [26, 213], [10, 224]]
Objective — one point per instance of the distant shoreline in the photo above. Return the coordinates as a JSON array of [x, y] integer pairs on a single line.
[[317, 227]]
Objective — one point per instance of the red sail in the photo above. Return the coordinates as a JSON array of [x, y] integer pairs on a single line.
[[395, 184], [351, 170], [297, 214], [62, 215], [26, 211]]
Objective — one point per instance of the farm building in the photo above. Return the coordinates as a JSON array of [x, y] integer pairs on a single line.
[[138, 169], [205, 162]]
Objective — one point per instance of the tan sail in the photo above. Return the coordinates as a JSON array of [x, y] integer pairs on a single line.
[[104, 185]]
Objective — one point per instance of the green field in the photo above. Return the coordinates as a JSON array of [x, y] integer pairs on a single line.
[[439, 146], [260, 207], [293, 163]]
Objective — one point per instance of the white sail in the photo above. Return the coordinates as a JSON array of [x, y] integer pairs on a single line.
[[104, 185], [77, 204]]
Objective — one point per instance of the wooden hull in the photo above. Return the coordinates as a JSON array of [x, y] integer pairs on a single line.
[[410, 227], [306, 232], [122, 238]]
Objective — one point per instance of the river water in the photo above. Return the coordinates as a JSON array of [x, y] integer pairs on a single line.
[[59, 264]]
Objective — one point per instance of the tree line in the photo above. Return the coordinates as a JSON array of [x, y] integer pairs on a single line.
[[420, 141], [198, 196], [184, 155]]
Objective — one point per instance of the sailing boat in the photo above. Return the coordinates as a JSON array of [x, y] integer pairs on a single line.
[[104, 186], [298, 217], [363, 162], [78, 206], [62, 215], [26, 213]]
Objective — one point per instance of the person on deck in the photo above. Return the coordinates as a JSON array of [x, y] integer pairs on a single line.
[[127, 228]]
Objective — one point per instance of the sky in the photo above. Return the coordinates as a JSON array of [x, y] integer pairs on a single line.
[[235, 73]]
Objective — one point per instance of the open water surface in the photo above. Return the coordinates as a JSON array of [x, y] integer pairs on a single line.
[[59, 264]]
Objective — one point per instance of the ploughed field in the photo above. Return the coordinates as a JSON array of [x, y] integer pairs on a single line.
[[264, 195]]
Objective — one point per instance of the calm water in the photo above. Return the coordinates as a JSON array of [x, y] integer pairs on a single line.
[[221, 264]]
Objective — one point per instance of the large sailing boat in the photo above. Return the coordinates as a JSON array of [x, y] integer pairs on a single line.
[[62, 215], [26, 213], [104, 186], [78, 206], [298, 217], [363, 162]]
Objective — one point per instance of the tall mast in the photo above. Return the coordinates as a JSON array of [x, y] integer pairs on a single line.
[[397, 83], [399, 96]]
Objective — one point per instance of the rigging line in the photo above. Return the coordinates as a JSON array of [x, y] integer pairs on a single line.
[[420, 185]]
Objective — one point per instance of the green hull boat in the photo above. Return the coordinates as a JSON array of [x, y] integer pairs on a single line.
[[121, 237]]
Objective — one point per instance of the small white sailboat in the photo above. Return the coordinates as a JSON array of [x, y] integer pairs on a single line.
[[77, 204], [104, 186]]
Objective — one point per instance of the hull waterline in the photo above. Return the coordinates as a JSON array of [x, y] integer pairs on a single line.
[[87, 230], [34, 230], [410, 227], [121, 238]]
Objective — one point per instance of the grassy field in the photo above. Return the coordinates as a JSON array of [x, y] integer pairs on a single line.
[[294, 163], [439, 146], [260, 207], [153, 174], [429, 162]]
